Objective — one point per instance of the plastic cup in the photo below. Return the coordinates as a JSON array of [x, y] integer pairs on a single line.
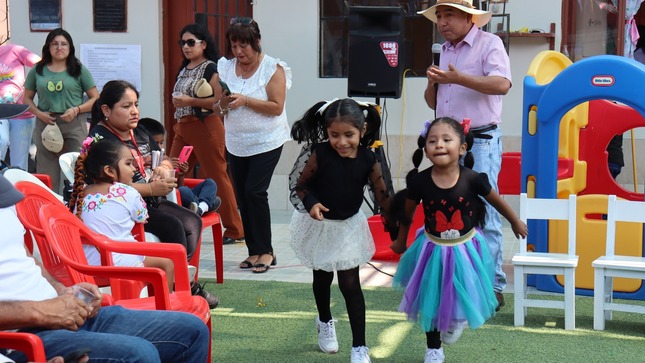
[[171, 173], [176, 94], [83, 294]]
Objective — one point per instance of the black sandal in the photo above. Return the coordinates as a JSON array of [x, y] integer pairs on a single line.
[[260, 268], [246, 264]]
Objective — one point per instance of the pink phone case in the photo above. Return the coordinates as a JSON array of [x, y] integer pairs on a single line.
[[185, 154]]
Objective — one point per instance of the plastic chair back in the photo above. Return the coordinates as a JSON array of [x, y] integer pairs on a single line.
[[67, 162], [16, 175], [27, 209]]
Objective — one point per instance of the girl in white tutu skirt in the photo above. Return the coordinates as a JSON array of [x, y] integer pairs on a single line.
[[329, 232]]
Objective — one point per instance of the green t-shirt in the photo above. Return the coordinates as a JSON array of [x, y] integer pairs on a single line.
[[58, 91]]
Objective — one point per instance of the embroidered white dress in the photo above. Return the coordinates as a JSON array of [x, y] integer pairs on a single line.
[[114, 215]]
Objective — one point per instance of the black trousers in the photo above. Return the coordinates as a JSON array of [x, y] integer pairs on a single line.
[[251, 179], [174, 223]]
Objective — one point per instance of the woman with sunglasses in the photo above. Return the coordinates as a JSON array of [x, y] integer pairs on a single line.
[[60, 80], [256, 126], [196, 125]]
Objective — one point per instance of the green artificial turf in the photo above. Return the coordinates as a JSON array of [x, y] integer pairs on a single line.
[[259, 321]]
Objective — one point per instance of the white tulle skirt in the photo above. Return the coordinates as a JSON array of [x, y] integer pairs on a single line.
[[331, 245]]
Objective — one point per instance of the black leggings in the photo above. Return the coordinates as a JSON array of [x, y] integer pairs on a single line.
[[433, 339], [350, 286], [174, 223]]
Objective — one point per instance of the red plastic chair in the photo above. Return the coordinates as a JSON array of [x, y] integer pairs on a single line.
[[66, 235], [139, 234], [29, 344], [27, 209], [213, 220], [46, 179]]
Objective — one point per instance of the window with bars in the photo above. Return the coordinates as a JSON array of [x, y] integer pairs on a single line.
[[418, 33]]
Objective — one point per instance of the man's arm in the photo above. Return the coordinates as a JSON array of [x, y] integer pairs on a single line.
[[62, 312], [60, 288], [490, 85], [430, 95]]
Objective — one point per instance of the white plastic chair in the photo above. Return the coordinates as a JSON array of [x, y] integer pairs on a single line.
[[67, 162], [16, 175], [609, 266], [546, 263]]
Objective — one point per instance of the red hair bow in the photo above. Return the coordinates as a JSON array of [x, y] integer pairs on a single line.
[[466, 125]]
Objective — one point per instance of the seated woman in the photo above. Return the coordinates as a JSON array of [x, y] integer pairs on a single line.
[[115, 116]]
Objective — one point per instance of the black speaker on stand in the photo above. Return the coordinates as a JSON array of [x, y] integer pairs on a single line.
[[375, 67]]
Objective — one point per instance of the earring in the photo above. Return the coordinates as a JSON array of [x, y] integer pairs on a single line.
[[106, 118]]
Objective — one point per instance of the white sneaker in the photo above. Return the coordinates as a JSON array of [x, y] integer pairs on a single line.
[[327, 336], [434, 356], [360, 354], [451, 336]]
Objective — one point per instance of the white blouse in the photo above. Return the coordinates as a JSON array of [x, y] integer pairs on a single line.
[[248, 132]]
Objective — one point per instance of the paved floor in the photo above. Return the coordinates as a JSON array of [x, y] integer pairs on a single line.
[[289, 269]]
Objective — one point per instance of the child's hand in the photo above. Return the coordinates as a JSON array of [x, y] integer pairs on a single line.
[[398, 246], [182, 167], [520, 229], [317, 210]]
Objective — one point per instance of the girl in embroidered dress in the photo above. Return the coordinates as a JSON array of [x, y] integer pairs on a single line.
[[103, 198], [330, 232], [448, 271]]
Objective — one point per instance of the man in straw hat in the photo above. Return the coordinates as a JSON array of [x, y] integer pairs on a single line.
[[32, 300], [472, 76]]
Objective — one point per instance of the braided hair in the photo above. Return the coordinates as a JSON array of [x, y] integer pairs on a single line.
[[462, 130], [89, 169]]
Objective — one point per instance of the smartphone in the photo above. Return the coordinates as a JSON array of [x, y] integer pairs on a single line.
[[227, 91], [185, 154]]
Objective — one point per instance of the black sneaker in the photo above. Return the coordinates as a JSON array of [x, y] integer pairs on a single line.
[[196, 289], [216, 203]]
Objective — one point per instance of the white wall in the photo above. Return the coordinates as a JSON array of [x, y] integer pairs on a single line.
[[144, 28]]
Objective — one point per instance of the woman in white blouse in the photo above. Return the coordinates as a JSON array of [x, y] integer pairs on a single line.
[[256, 126]]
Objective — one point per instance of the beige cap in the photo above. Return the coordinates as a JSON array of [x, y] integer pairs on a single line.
[[203, 89], [52, 138]]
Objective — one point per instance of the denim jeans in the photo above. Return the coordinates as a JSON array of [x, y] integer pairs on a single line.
[[202, 192], [488, 159], [15, 135], [122, 335]]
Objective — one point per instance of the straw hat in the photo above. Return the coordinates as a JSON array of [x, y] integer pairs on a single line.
[[480, 17]]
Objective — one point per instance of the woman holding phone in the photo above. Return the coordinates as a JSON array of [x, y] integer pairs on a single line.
[[115, 116], [256, 124], [196, 125]]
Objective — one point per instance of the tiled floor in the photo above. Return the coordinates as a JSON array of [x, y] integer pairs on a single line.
[[289, 269]]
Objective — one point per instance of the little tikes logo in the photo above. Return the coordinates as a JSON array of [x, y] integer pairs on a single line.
[[603, 80], [391, 52]]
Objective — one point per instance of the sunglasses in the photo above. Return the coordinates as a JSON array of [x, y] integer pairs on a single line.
[[190, 42], [241, 20]]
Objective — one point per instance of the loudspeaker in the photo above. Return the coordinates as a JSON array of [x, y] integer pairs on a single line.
[[375, 67]]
